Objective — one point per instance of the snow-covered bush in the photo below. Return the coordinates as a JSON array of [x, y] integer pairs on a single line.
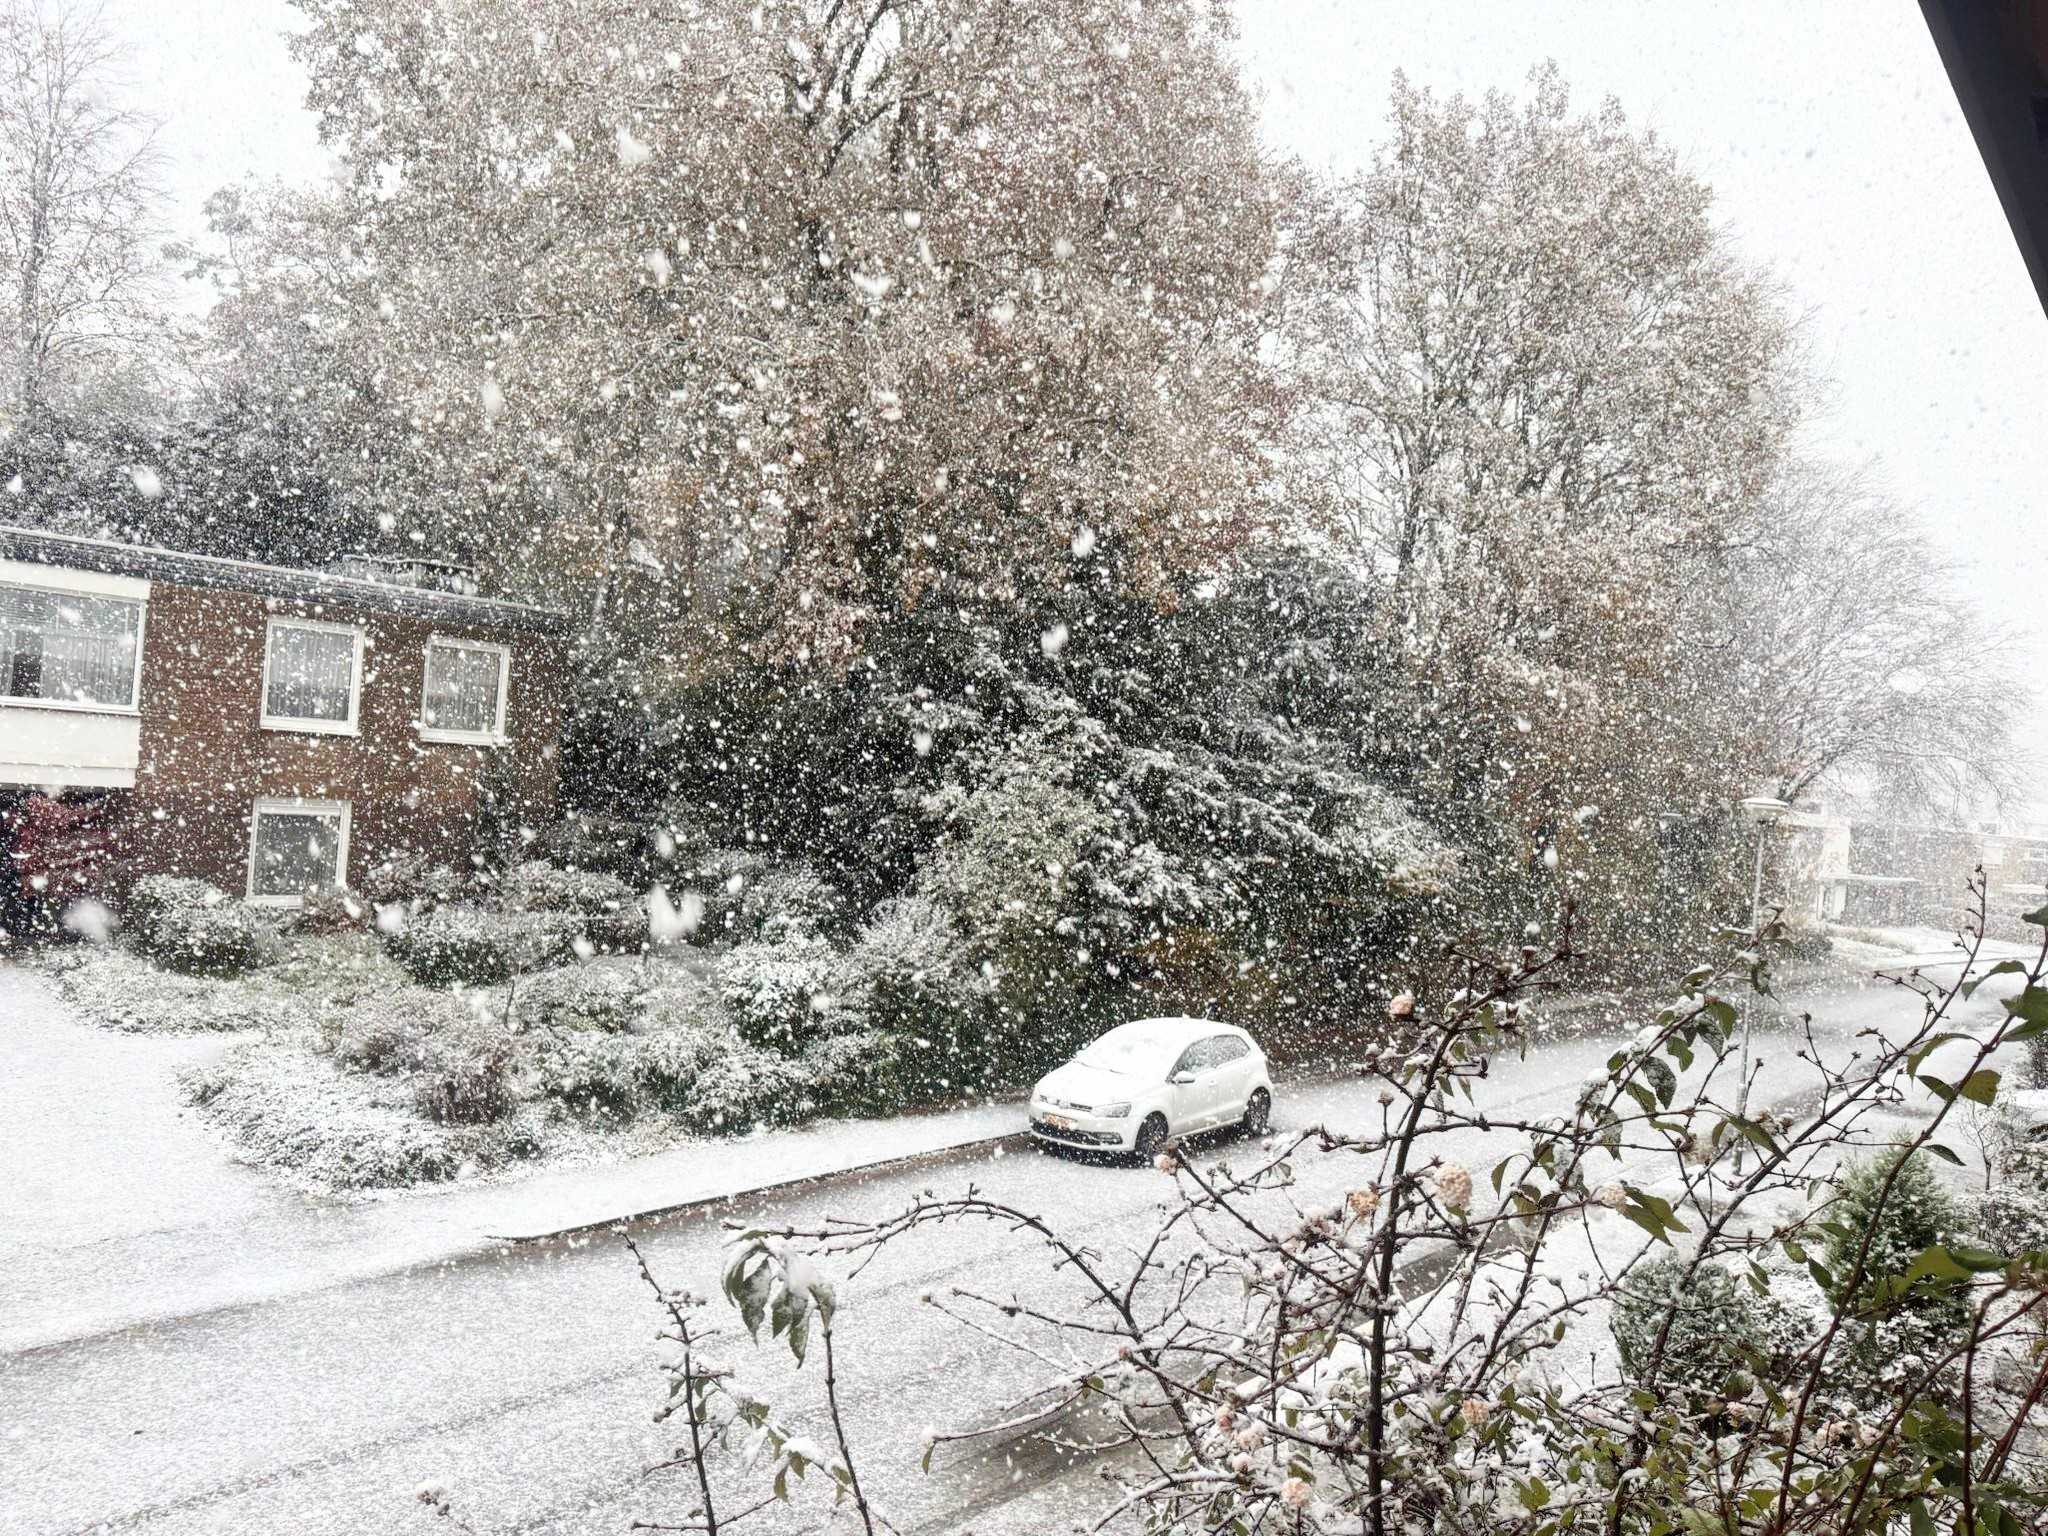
[[464, 1076], [189, 925], [538, 886], [333, 910], [909, 975], [611, 914], [126, 992], [780, 990], [2012, 1216], [791, 899], [579, 997], [1888, 1210], [589, 1072], [720, 879], [407, 879], [476, 946], [613, 845], [859, 1072], [386, 1031], [740, 1087], [1719, 1328]]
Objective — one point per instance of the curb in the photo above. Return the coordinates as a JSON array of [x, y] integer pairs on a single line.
[[727, 1197]]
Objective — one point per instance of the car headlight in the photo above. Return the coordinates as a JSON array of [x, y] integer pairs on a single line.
[[1113, 1111]]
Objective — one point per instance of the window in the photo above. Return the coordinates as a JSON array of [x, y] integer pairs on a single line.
[[1229, 1048], [296, 847], [69, 649], [464, 699], [1199, 1057], [312, 676]]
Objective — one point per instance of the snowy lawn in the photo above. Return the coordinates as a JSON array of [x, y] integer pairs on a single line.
[[355, 1077]]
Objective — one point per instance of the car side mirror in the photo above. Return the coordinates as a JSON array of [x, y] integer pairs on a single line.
[[1181, 1079]]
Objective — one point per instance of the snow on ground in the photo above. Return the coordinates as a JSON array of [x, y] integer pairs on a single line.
[[404, 1349]]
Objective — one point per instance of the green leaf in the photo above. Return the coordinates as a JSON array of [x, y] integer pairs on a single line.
[[1937, 1087], [1981, 1087], [1751, 1131], [1534, 1494], [1662, 1078], [1979, 1261], [1921, 1521], [2038, 917], [2004, 968], [1937, 1263], [1944, 1153]]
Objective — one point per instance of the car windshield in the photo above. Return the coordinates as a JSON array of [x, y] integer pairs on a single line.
[[1126, 1050]]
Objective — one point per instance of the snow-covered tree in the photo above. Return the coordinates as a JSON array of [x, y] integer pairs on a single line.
[[1545, 404], [830, 302], [81, 274]]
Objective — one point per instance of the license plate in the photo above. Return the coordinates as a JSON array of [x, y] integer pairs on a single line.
[[1058, 1122]]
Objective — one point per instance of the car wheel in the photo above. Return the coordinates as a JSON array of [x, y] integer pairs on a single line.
[[1151, 1137], [1258, 1112]]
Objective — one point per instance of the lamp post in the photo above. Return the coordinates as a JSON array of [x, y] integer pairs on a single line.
[[1765, 811]]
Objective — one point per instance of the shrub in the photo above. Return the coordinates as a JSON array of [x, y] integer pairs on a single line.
[[2013, 1216], [191, 926], [465, 1074], [780, 990], [604, 907], [854, 1073], [721, 879], [1916, 1213], [792, 899], [579, 997], [610, 845], [909, 974], [409, 880], [334, 910], [477, 947], [740, 1087], [388, 1032], [587, 1071], [1720, 1327], [538, 886]]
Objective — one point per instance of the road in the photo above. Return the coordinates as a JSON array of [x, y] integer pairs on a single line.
[[524, 1378]]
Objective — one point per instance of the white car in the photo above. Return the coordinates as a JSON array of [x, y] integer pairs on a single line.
[[1146, 1082]]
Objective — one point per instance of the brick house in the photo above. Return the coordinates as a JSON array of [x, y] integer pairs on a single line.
[[267, 729]]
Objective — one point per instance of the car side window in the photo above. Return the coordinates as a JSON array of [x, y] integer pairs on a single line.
[[1229, 1048], [1199, 1057]]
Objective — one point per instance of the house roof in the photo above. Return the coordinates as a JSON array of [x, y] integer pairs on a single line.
[[37, 547]]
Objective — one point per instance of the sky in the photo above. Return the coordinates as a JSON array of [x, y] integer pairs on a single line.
[[1828, 130]]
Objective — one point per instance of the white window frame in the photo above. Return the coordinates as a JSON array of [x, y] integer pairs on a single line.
[[495, 736], [346, 727], [81, 706], [296, 807]]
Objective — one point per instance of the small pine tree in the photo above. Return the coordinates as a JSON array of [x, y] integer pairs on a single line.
[[1903, 1215]]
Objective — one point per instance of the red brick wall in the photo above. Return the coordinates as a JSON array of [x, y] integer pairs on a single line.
[[205, 758]]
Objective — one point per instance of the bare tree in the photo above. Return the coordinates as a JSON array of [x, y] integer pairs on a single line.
[[1861, 654], [79, 194]]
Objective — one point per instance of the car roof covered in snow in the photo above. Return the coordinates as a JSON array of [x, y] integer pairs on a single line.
[[1180, 1028]]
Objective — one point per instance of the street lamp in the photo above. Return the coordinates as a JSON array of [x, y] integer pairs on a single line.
[[1765, 811]]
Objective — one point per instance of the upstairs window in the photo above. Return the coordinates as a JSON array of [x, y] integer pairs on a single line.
[[69, 649], [312, 676], [465, 691]]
